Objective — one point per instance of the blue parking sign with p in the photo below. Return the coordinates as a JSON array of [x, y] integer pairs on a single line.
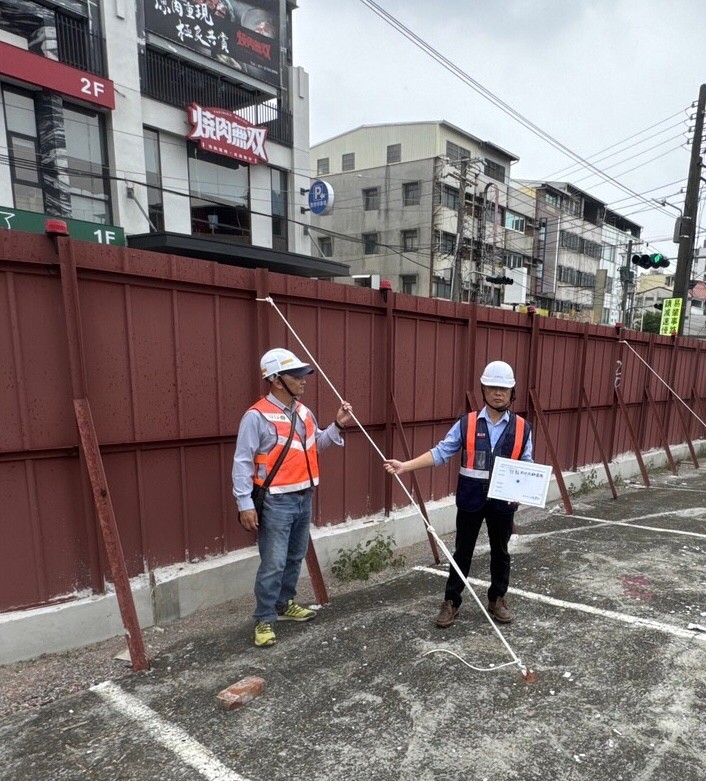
[[320, 197]]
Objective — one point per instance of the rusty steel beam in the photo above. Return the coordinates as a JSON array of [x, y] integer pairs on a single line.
[[91, 452], [582, 389], [389, 387], [685, 429], [415, 482], [315, 574], [111, 537], [471, 402], [662, 430], [633, 437], [552, 453], [597, 435]]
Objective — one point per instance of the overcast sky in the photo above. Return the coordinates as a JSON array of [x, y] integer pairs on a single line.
[[588, 72]]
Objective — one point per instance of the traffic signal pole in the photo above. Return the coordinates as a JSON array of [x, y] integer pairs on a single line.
[[626, 276], [687, 233]]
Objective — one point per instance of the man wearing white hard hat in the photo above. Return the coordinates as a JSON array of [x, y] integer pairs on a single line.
[[275, 471], [481, 437]]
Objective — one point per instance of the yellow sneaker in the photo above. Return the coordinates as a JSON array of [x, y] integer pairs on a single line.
[[264, 635], [294, 612]]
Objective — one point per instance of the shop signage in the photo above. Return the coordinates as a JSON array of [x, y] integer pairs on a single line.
[[33, 222], [320, 198], [242, 35], [32, 68], [225, 133]]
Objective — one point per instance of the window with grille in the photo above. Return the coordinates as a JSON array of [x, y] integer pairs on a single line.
[[449, 197], [370, 243], [408, 284], [322, 166], [326, 246], [394, 153], [409, 240], [348, 161], [513, 260], [447, 243], [153, 169], [371, 198], [514, 222], [552, 199], [442, 287], [411, 193], [494, 170], [455, 152]]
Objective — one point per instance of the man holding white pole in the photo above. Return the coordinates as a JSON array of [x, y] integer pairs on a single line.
[[482, 436]]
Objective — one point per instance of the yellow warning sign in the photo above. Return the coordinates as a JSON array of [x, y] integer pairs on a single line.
[[671, 312]]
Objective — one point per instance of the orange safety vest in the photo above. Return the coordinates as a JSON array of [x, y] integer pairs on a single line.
[[517, 446], [300, 468]]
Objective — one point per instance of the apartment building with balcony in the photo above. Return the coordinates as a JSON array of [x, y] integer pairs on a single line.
[[581, 244], [419, 203], [178, 125]]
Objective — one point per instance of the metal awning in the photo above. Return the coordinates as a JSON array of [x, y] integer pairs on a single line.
[[235, 254]]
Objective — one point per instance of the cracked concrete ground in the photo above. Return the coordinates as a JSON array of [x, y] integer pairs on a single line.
[[602, 600]]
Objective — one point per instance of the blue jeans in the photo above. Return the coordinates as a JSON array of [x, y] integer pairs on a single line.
[[283, 538]]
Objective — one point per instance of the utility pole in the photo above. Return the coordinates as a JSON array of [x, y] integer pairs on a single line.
[[687, 224], [456, 286], [626, 278]]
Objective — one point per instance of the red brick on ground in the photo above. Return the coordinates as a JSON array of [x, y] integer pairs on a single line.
[[241, 692]]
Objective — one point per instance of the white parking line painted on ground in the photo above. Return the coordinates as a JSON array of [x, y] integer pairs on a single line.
[[645, 623], [169, 735], [671, 488], [631, 525]]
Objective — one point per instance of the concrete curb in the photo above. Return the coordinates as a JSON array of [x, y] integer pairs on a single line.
[[179, 590]]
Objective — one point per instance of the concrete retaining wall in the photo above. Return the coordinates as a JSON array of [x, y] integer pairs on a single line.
[[177, 591]]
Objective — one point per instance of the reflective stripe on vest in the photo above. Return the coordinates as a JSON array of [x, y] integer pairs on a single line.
[[517, 447], [471, 443], [519, 436], [300, 468]]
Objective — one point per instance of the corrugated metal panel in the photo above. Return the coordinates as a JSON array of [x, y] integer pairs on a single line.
[[171, 350]]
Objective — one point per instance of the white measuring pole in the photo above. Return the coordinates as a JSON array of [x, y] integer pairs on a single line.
[[429, 527], [668, 387]]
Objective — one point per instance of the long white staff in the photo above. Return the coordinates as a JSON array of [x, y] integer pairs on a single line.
[[527, 674], [668, 387]]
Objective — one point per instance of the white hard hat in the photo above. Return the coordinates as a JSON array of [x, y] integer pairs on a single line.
[[281, 361], [498, 374]]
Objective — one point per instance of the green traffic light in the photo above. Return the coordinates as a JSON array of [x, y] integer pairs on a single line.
[[658, 260]]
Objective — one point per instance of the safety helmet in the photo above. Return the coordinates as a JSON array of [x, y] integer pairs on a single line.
[[281, 361], [498, 374]]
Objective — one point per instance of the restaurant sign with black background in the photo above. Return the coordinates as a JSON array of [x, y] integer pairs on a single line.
[[244, 36]]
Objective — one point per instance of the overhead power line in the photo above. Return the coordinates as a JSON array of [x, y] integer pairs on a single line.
[[492, 97]]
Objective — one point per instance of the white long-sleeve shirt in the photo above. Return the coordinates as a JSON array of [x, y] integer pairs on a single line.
[[257, 435]]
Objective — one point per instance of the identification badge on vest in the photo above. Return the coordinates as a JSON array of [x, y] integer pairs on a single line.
[[480, 460]]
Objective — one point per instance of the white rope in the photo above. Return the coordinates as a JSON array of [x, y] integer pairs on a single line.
[[461, 659], [429, 527], [669, 388]]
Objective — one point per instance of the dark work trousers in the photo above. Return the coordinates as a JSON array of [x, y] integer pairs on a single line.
[[499, 531]]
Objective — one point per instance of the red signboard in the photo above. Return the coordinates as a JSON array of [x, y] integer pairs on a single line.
[[52, 75], [225, 133]]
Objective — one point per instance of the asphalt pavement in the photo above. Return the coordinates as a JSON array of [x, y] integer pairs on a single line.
[[610, 613]]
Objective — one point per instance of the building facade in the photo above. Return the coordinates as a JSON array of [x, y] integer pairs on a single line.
[[428, 207], [156, 118], [582, 245]]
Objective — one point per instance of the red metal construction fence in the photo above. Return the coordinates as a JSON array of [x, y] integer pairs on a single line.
[[165, 351]]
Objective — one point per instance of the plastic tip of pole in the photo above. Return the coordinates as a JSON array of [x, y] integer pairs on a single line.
[[530, 676]]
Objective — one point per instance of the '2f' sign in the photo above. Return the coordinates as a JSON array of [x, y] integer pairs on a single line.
[[93, 88]]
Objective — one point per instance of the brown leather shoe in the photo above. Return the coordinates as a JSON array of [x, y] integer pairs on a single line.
[[500, 611], [447, 614]]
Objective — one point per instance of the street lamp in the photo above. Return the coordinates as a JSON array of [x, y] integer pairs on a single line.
[[665, 202]]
